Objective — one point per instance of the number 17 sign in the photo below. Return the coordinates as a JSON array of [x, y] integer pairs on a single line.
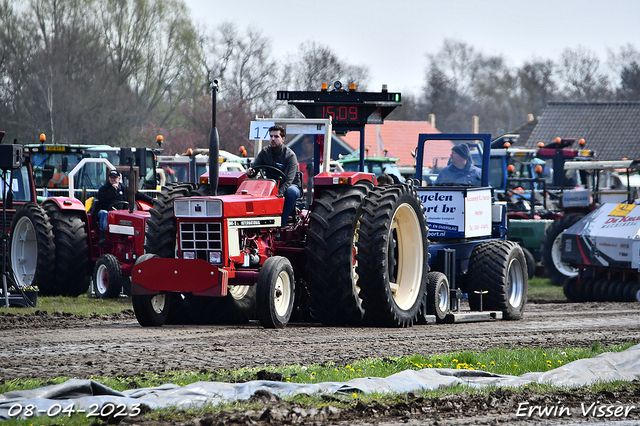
[[259, 130]]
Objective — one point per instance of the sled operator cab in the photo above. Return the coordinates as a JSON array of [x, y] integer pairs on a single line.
[[469, 256]]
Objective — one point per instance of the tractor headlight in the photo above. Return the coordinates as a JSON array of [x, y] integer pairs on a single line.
[[197, 207], [215, 257], [214, 208], [188, 255]]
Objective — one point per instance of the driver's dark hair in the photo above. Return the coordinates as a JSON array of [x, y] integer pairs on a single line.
[[282, 130]]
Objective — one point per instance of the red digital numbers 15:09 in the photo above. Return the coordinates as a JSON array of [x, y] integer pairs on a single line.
[[340, 113]]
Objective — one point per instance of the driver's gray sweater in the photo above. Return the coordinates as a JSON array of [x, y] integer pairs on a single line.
[[284, 159]]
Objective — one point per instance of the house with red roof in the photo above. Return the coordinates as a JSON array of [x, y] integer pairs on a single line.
[[399, 139]]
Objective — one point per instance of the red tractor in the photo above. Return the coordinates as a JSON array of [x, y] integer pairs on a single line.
[[55, 245], [227, 258]]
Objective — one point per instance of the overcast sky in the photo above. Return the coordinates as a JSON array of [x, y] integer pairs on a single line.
[[392, 37]]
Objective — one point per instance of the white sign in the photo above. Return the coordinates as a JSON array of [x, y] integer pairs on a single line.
[[259, 130], [576, 198], [478, 213], [305, 129]]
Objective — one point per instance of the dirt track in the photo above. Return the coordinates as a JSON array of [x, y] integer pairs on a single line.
[[44, 346], [116, 345]]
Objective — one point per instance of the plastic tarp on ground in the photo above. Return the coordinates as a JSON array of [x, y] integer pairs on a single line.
[[87, 395]]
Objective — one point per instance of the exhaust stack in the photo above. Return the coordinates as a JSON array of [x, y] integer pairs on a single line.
[[214, 145]]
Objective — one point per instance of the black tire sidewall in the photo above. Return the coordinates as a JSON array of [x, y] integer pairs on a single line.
[[265, 301], [114, 273]]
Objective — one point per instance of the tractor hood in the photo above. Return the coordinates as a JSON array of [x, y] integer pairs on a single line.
[[253, 198]]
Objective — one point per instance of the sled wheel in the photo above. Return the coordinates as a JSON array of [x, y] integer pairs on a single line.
[[331, 250], [437, 295], [600, 289], [275, 292], [612, 292], [587, 289], [392, 256], [32, 249], [498, 267], [618, 294], [627, 292], [551, 246], [107, 277], [635, 293], [570, 289]]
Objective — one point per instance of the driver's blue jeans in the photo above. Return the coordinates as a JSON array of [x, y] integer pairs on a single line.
[[103, 215], [290, 197]]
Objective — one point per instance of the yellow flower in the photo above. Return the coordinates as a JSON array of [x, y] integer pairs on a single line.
[[348, 366], [559, 362], [493, 363], [483, 366], [543, 354], [355, 395], [373, 366], [335, 369], [454, 360], [288, 379]]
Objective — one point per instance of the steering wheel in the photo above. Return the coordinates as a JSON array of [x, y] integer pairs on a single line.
[[124, 203], [261, 172]]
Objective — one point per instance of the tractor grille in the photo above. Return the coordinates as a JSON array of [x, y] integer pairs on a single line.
[[201, 238]]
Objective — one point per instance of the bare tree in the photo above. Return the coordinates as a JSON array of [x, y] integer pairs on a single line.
[[316, 64], [625, 55], [153, 47], [630, 83], [243, 65], [536, 85], [579, 70], [459, 63]]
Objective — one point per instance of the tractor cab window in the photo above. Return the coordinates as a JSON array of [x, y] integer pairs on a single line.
[[455, 163], [18, 183], [148, 178]]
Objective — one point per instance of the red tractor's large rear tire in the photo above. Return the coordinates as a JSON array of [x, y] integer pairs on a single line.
[[331, 249], [72, 274], [160, 236], [32, 249], [393, 254], [550, 249], [499, 268]]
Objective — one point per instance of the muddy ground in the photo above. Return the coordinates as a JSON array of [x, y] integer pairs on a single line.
[[45, 345]]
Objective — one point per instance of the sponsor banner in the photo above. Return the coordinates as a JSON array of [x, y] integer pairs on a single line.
[[457, 214]]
